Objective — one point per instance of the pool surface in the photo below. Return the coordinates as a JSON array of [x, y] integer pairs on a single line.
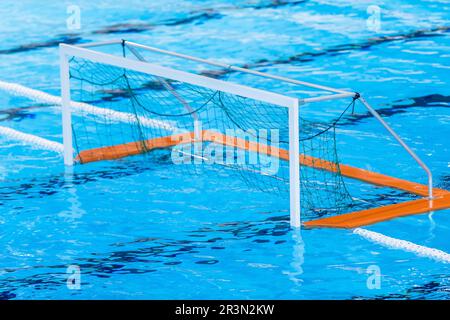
[[139, 230]]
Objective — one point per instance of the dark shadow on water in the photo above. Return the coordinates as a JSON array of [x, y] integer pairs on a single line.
[[432, 290], [196, 17], [19, 114], [336, 50], [68, 39], [148, 255], [399, 107]]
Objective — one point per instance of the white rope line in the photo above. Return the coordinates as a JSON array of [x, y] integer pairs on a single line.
[[40, 96], [408, 246], [32, 140]]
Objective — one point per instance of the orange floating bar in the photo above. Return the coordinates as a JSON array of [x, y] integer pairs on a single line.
[[371, 216], [388, 181], [305, 160], [132, 148], [349, 220]]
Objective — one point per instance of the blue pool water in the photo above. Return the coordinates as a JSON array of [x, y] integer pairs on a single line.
[[142, 231]]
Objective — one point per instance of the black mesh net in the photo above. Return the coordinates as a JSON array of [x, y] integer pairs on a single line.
[[117, 106]]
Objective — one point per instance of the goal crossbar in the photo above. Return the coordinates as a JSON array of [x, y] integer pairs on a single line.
[[342, 93]]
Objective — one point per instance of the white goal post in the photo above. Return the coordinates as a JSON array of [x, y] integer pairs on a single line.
[[283, 101], [68, 51]]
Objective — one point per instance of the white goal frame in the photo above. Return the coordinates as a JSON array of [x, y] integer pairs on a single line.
[[85, 51]]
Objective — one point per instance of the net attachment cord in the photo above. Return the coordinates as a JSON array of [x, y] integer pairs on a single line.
[[335, 122], [355, 97]]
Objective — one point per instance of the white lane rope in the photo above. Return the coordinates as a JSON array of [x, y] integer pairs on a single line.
[[40, 96], [43, 97], [32, 140], [404, 245]]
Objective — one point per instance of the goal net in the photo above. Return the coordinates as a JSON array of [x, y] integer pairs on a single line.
[[123, 107]]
